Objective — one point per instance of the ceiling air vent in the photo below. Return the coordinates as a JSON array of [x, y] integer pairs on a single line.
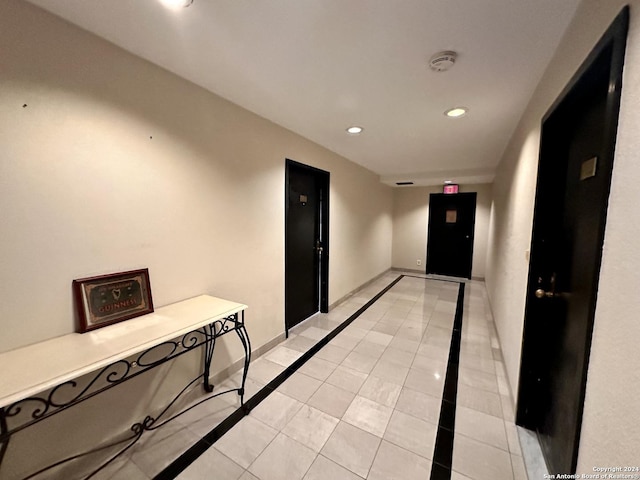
[[404, 183], [443, 61]]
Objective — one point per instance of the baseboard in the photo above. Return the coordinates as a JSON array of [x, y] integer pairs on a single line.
[[361, 287], [512, 396], [408, 270], [255, 354], [262, 349], [421, 272]]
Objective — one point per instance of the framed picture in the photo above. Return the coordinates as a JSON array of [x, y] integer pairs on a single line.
[[112, 298]]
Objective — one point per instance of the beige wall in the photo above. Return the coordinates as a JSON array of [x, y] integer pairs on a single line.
[[116, 164], [85, 190], [109, 163], [410, 226], [613, 379]]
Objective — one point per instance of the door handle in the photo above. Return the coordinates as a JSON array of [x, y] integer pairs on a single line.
[[540, 293]]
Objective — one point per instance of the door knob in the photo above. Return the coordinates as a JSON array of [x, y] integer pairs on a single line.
[[540, 293]]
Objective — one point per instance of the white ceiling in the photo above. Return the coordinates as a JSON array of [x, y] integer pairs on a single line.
[[319, 66]]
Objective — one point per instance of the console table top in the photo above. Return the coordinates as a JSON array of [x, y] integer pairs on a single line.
[[35, 368]]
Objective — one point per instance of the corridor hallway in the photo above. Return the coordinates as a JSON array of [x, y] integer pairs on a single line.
[[367, 405]]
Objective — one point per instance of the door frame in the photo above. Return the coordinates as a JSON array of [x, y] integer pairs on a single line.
[[615, 39], [322, 178], [472, 234]]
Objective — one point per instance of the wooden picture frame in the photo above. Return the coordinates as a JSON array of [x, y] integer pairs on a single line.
[[108, 299]]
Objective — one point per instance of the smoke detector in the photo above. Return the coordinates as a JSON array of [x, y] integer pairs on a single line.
[[443, 61]]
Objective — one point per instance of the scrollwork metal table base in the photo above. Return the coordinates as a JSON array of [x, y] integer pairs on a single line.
[[31, 410]]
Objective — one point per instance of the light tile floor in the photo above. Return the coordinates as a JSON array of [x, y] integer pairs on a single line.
[[366, 406]]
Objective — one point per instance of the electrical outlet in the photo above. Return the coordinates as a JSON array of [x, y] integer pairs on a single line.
[[418, 262]]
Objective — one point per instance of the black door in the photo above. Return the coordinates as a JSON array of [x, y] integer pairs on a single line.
[[450, 239], [576, 161], [306, 242]]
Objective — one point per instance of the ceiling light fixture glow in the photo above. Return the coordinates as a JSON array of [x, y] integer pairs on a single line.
[[355, 130], [176, 4], [456, 112]]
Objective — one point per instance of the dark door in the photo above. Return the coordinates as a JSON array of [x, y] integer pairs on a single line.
[[306, 242], [450, 240], [576, 161]]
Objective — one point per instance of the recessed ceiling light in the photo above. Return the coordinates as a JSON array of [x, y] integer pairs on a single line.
[[456, 112], [176, 4], [355, 130], [448, 182]]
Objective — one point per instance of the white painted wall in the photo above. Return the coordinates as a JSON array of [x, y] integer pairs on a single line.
[[609, 437], [410, 226], [109, 163]]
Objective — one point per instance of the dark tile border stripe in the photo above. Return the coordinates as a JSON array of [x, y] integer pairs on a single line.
[[449, 280], [443, 453], [202, 445]]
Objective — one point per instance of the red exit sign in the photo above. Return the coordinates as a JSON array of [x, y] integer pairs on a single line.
[[450, 188]]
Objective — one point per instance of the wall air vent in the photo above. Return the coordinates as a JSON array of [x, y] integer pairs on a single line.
[[404, 183]]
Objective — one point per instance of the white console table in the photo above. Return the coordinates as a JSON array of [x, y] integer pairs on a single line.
[[42, 379]]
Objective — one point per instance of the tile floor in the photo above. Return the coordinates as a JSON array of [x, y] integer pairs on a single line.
[[366, 406]]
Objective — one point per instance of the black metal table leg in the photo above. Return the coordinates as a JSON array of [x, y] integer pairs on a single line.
[[4, 434], [246, 344], [209, 346]]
